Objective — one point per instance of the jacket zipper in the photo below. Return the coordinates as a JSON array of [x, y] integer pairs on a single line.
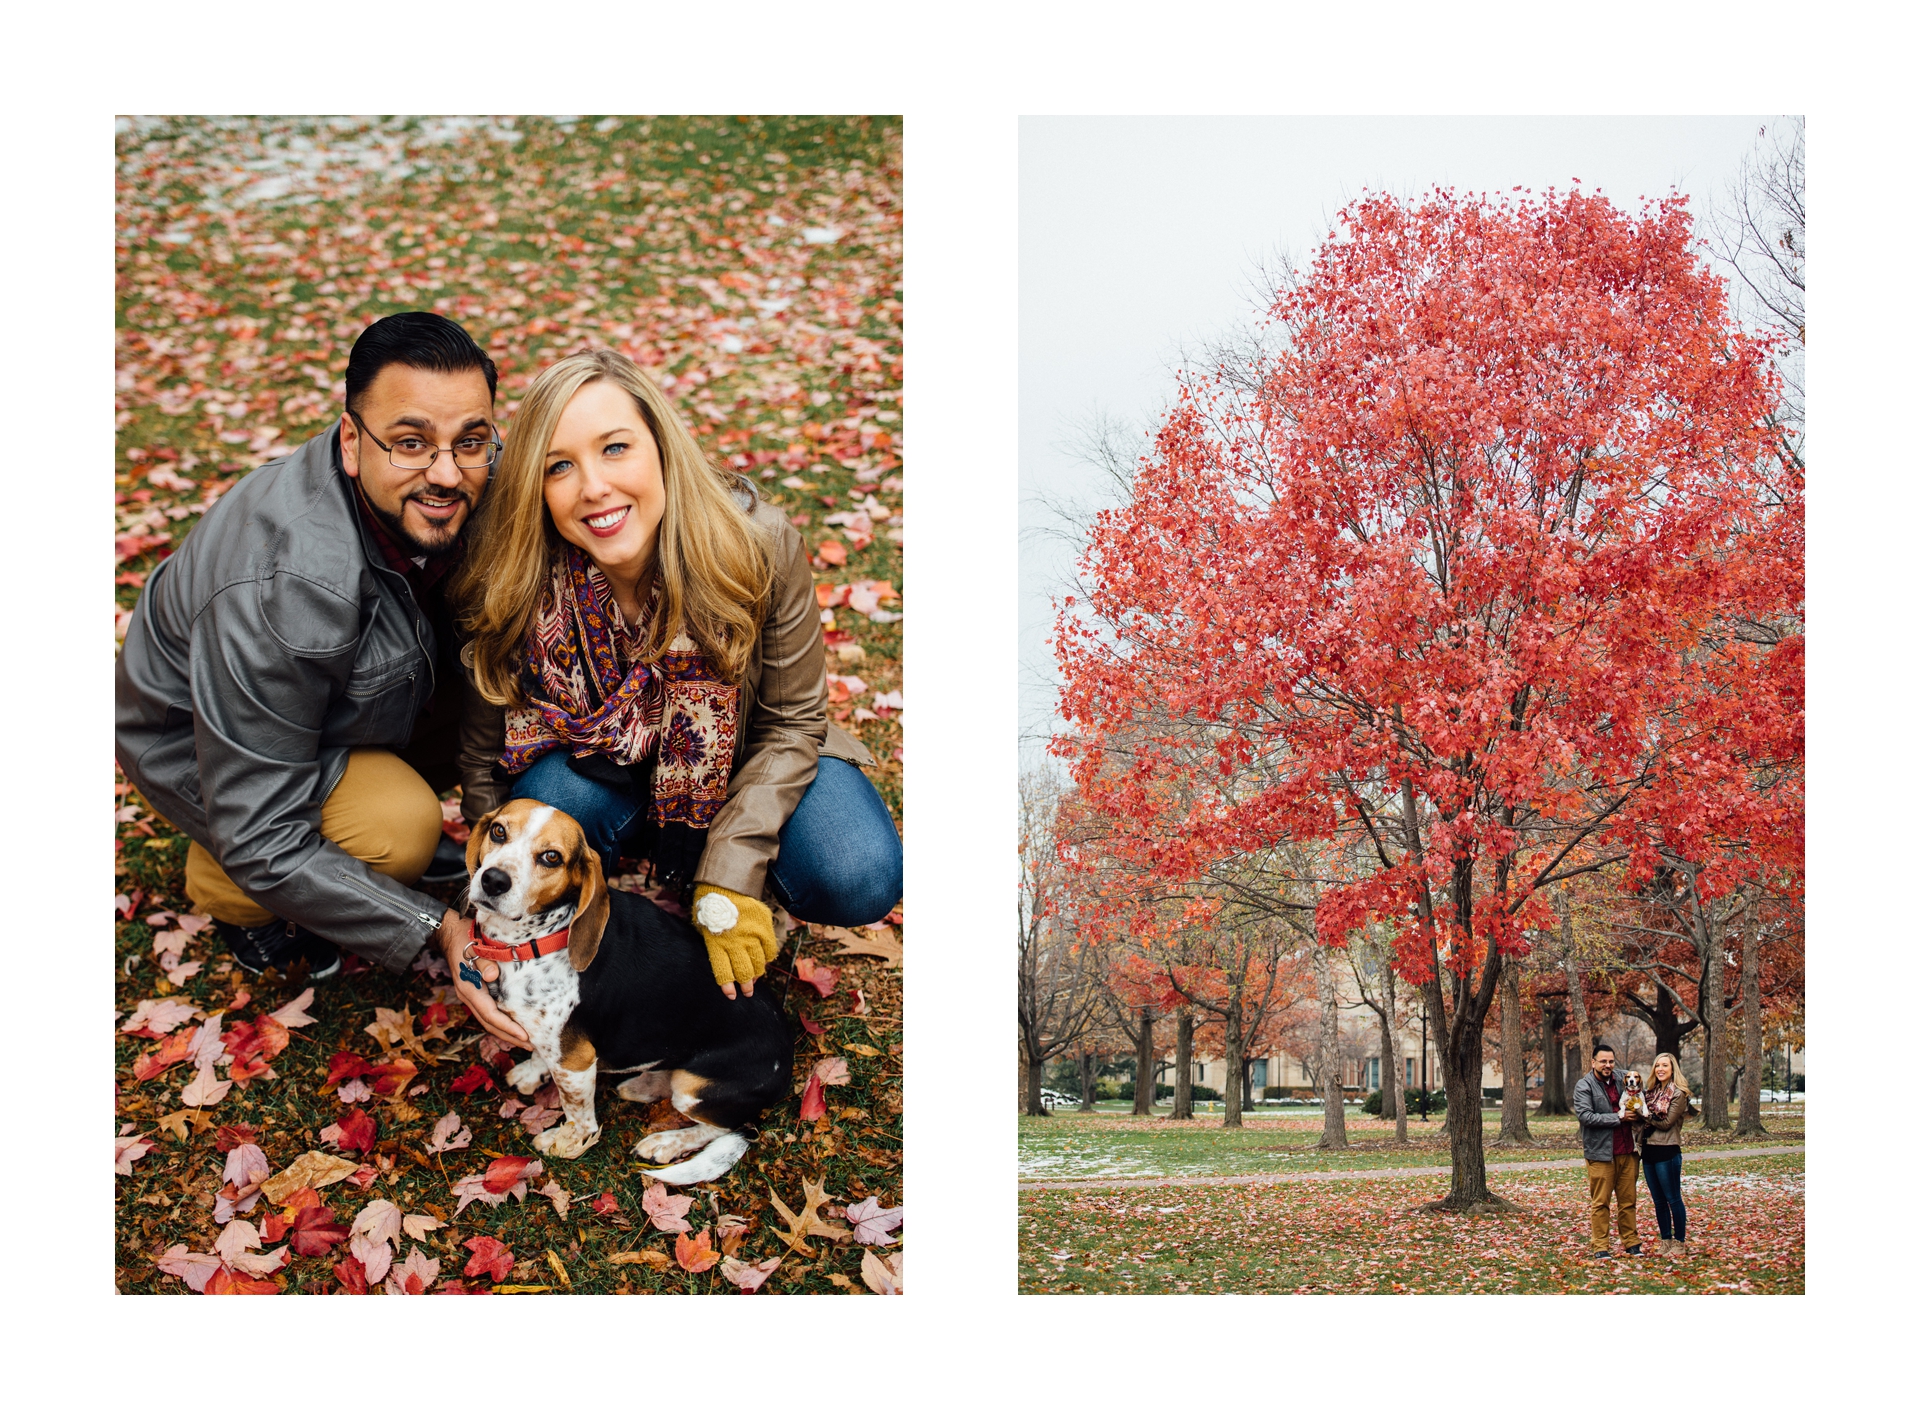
[[388, 901]]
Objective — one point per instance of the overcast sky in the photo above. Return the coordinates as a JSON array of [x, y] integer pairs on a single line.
[[1141, 237]]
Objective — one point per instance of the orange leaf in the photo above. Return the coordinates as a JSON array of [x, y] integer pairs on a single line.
[[695, 1255]]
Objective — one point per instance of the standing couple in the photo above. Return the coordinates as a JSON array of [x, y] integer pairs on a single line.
[[589, 614], [1617, 1146]]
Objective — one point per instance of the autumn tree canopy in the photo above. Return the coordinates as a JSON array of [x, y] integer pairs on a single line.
[[1491, 573]]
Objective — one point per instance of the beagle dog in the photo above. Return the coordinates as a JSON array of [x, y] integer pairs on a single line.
[[605, 981]]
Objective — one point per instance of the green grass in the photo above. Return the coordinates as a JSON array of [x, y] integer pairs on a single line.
[[1071, 1145], [1746, 1234]]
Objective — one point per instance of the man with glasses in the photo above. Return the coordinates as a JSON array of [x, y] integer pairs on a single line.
[[1613, 1169], [289, 691]]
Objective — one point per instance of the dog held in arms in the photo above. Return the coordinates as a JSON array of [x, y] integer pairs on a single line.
[[607, 982], [1633, 1101]]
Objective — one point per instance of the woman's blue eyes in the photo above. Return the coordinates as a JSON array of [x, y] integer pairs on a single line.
[[560, 466]]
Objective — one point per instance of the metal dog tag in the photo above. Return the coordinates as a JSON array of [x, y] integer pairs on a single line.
[[470, 975]]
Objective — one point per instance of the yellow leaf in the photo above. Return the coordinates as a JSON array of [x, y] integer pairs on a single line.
[[315, 1169], [559, 1270], [863, 1050]]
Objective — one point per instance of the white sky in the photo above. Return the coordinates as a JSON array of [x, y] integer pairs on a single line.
[[1140, 237]]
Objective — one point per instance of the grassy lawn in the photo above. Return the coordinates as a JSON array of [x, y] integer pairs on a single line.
[[1072, 1145], [754, 266], [1747, 1233]]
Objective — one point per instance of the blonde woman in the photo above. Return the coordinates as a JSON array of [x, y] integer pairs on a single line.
[[646, 655], [1668, 1100]]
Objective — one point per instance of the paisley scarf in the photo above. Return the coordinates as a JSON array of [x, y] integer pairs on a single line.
[[1659, 1099], [675, 711]]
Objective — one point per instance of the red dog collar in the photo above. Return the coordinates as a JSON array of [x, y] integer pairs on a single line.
[[487, 949]]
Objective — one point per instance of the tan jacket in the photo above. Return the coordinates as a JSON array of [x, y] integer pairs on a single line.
[[1665, 1131], [783, 709]]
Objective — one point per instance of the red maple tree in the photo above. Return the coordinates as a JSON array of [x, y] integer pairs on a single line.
[[1489, 577]]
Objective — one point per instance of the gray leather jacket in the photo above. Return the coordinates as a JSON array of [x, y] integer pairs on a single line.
[[270, 644], [1597, 1116]]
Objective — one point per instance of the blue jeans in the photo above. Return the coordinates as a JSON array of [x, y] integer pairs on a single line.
[[839, 860], [1663, 1182]]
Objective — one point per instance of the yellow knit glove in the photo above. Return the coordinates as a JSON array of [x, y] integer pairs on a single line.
[[738, 931]]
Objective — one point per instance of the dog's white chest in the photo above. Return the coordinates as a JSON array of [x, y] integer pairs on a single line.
[[540, 994]]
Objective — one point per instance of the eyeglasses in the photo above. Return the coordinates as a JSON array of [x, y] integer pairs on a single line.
[[473, 451]]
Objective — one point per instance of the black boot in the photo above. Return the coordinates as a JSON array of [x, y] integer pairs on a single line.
[[279, 944]]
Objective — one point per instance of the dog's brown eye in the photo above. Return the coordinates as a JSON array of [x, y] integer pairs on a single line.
[[548, 858], [497, 833]]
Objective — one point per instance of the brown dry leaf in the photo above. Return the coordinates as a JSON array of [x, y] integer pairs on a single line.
[[652, 1257], [880, 941], [662, 1116], [180, 1120], [395, 1030], [417, 1226], [807, 1223], [886, 1275], [314, 1170]]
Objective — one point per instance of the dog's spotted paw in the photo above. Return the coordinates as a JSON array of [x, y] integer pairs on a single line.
[[526, 1077], [568, 1141]]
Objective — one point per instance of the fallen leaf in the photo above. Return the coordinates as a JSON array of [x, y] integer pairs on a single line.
[[475, 1078], [414, 1276], [871, 1224], [226, 1281], [293, 1014], [418, 1226], [652, 1257], [352, 1276], [195, 1268], [666, 1209], [505, 1172], [376, 1229], [606, 1203], [882, 1275], [353, 1090], [238, 1133], [559, 1269], [126, 1150], [205, 1089], [732, 1230], [234, 1244], [173, 1049], [876, 940], [355, 1131], [818, 975], [316, 1231], [807, 1223], [490, 1256], [813, 1105], [155, 1017], [561, 1199], [832, 1071], [449, 1135], [747, 1276], [315, 1169], [695, 1255]]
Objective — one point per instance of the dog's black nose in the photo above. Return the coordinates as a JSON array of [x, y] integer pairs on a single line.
[[493, 881]]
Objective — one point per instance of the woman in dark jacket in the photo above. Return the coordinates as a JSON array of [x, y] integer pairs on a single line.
[[1668, 1102]]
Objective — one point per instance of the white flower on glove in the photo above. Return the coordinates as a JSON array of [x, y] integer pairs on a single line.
[[716, 914]]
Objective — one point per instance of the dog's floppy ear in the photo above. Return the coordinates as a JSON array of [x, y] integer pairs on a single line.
[[590, 921], [478, 840]]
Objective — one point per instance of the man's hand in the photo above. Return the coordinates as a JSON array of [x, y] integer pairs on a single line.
[[452, 938]]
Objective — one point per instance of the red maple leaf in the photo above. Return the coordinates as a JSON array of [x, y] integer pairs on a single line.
[[489, 1256], [390, 1078], [813, 1102], [173, 1048], [352, 1274], [476, 1078], [316, 1231], [342, 1066], [605, 1204], [238, 1134], [504, 1173], [355, 1131], [695, 1255], [225, 1282]]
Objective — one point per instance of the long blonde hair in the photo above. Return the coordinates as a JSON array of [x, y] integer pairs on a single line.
[[713, 566], [1678, 1079]]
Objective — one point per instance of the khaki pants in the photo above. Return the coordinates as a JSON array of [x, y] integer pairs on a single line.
[[381, 812], [1615, 1180]]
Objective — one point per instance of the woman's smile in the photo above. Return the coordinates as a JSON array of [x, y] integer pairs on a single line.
[[608, 524]]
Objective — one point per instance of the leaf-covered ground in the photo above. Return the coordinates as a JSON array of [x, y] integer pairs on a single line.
[[1746, 1234], [1070, 1145], [754, 266]]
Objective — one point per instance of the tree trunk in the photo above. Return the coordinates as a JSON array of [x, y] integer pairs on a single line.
[[1461, 1047], [1513, 1061], [1553, 1086], [1143, 1066], [1577, 996], [1086, 1080], [1669, 1029], [1752, 1055], [1391, 1035], [1234, 1063], [1035, 1107], [1713, 1011], [1333, 1132], [1183, 1066]]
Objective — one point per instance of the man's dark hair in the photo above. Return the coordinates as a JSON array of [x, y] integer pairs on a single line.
[[1599, 1048], [417, 339]]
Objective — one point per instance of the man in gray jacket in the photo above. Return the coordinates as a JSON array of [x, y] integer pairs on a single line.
[[288, 693], [1613, 1169]]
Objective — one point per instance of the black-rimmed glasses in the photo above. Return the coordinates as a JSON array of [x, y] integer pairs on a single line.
[[474, 450]]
